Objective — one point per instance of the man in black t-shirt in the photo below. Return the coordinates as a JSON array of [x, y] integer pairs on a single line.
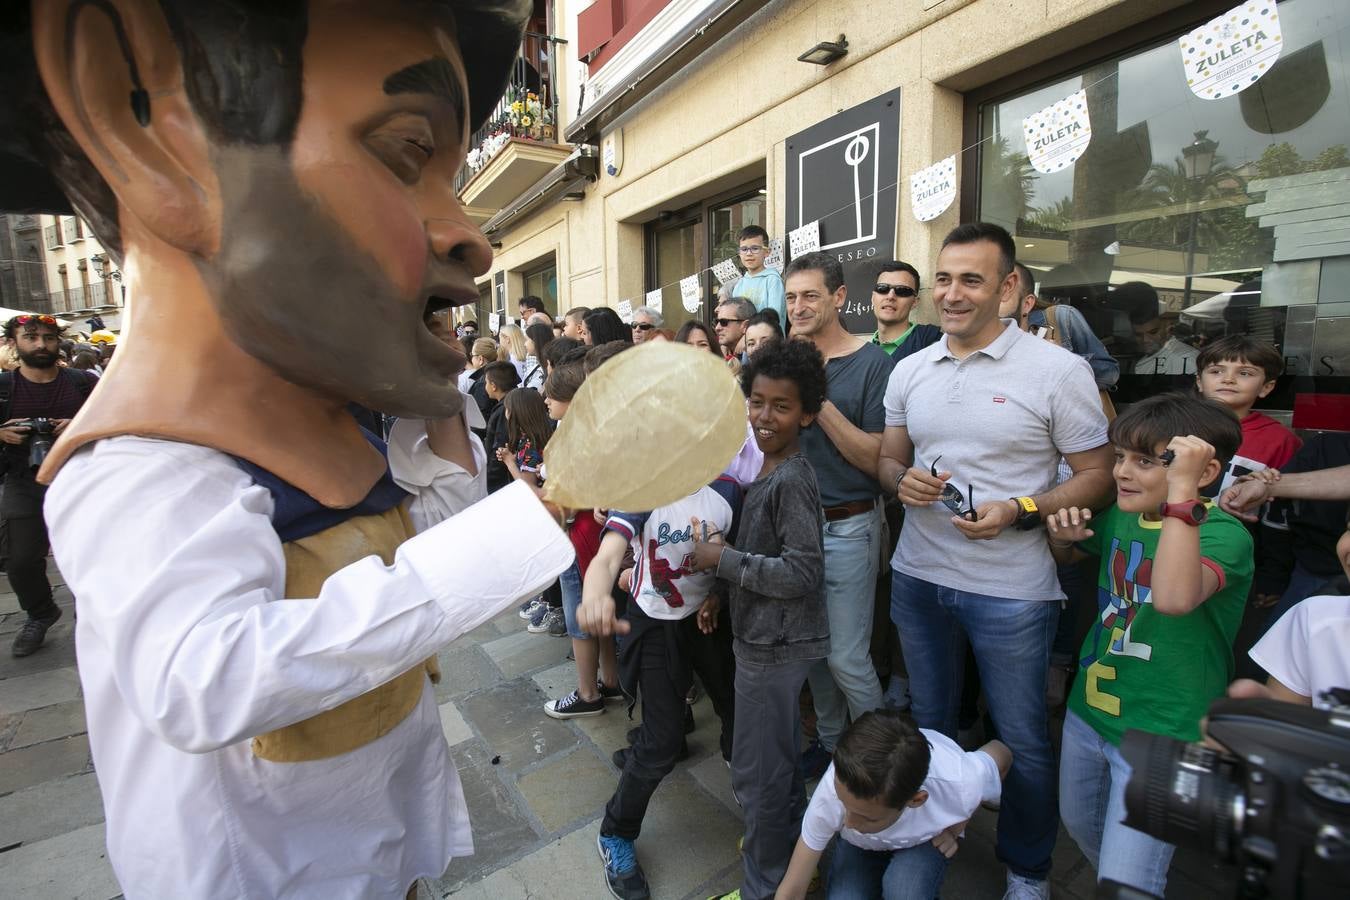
[[37, 389]]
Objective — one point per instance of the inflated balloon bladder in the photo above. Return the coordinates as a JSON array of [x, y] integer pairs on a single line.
[[650, 426]]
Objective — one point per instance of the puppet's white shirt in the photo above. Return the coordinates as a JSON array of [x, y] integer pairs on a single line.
[[184, 655]]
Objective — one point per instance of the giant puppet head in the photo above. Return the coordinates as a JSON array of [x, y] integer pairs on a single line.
[[276, 179]]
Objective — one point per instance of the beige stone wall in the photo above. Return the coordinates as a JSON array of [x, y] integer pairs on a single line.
[[725, 119]]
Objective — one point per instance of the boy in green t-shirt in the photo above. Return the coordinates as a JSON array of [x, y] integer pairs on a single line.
[[1175, 571]]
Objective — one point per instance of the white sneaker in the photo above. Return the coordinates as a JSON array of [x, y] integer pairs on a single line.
[[1022, 888]]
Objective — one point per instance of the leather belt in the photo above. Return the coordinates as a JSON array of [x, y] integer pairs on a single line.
[[849, 510]]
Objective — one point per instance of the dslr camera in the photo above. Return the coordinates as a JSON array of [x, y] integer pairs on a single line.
[[1276, 804], [41, 435]]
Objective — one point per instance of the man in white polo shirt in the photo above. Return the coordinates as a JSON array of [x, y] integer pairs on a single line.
[[990, 409]]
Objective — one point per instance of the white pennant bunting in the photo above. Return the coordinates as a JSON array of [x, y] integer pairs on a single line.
[[625, 311], [933, 189], [726, 272], [1057, 135], [654, 299], [1229, 54], [690, 293], [805, 239], [775, 257]]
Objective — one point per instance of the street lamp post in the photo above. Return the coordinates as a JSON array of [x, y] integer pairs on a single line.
[[1197, 158]]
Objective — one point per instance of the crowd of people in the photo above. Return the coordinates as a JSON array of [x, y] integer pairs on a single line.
[[900, 540], [954, 476]]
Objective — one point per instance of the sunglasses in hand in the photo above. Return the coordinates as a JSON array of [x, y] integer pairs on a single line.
[[961, 505]]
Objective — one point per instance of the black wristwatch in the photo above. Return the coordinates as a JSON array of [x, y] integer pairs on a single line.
[[1028, 515]]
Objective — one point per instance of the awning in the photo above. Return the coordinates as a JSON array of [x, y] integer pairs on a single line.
[[567, 178]]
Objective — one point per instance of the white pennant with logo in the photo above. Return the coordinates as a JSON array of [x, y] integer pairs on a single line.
[[654, 299], [1057, 135], [1229, 54], [690, 293], [933, 189], [726, 272], [626, 311]]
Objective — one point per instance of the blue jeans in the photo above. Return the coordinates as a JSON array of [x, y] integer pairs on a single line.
[[571, 596], [1011, 641], [914, 873], [846, 682], [1094, 774]]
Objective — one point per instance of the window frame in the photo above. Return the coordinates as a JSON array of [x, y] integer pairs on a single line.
[[693, 214], [1152, 32]]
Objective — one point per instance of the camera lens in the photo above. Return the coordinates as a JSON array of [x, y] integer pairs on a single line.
[[1184, 794]]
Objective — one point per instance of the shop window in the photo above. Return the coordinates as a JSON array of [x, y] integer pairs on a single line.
[[1223, 210], [693, 239], [542, 282]]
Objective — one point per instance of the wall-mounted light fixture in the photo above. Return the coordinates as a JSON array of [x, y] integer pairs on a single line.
[[825, 52]]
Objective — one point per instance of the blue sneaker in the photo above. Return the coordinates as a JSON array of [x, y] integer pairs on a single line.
[[622, 872], [815, 760]]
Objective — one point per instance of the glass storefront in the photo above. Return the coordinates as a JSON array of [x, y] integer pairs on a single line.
[[694, 239], [542, 282], [1225, 216]]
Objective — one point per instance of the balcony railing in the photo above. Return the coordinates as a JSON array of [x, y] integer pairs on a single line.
[[98, 293], [52, 235], [527, 111]]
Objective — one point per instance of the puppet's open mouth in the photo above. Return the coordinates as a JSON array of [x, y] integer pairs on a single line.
[[435, 304]]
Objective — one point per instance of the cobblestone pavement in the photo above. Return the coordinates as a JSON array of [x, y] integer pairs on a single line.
[[535, 786]]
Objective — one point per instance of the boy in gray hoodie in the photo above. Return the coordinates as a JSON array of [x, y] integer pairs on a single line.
[[778, 618]]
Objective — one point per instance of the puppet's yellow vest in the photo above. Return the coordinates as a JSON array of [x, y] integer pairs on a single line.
[[309, 562]]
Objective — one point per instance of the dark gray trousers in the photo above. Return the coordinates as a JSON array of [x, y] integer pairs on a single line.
[[764, 770]]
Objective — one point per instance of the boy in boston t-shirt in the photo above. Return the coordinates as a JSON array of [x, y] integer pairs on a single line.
[[1175, 571], [671, 606]]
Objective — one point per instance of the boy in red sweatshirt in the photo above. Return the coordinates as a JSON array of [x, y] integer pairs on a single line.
[[1237, 371]]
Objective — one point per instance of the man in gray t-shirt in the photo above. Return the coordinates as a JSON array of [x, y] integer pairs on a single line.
[[991, 409], [842, 447]]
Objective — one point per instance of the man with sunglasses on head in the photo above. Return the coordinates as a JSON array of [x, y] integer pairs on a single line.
[[760, 285], [893, 298], [37, 389], [989, 409], [645, 321]]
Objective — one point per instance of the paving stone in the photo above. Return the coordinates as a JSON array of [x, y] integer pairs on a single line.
[[566, 790], [676, 857], [522, 652], [73, 865], [24, 692], [33, 765], [452, 723], [51, 722], [57, 652], [610, 731], [715, 778], [511, 719], [501, 827], [9, 603], [465, 669], [49, 809]]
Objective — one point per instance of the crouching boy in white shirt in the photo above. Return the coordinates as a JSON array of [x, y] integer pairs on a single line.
[[898, 797]]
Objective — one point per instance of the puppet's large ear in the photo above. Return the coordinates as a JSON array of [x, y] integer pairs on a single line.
[[115, 77]]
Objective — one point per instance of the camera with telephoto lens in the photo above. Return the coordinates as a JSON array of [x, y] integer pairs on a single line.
[[1276, 804], [41, 435]]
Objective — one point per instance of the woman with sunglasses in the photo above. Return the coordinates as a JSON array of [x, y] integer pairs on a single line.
[[893, 299]]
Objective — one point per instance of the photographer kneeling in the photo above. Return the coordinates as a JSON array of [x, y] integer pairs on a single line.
[[37, 401]]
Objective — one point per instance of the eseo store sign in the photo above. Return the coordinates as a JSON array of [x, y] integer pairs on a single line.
[[842, 172]]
